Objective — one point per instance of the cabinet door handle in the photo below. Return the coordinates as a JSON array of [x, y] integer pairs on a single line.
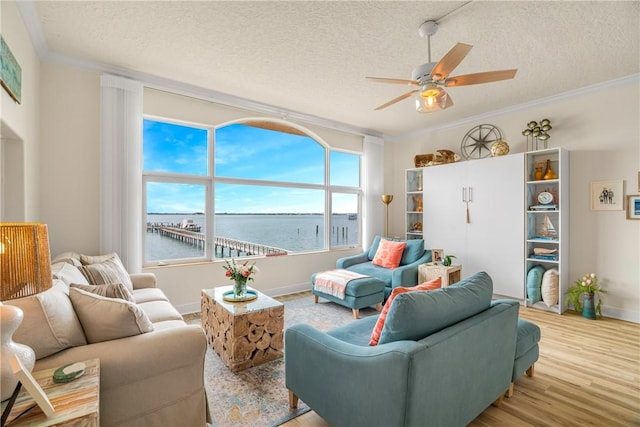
[[464, 195], [470, 194]]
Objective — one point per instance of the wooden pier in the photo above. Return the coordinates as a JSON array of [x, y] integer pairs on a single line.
[[221, 244]]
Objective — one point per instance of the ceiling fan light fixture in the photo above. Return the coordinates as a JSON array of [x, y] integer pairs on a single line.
[[431, 98]]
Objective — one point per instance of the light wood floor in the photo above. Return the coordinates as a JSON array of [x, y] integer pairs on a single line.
[[588, 373]]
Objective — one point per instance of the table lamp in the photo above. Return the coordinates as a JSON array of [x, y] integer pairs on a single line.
[[386, 199], [25, 269]]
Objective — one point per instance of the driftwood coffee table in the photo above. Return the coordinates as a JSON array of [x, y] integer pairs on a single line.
[[244, 334]]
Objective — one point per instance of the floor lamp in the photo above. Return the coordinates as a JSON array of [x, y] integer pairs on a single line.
[[386, 199], [25, 263]]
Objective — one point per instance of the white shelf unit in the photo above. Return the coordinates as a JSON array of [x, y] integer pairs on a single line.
[[414, 218], [537, 230]]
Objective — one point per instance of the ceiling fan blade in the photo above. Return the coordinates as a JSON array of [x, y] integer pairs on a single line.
[[396, 81], [398, 99], [477, 78], [450, 61]]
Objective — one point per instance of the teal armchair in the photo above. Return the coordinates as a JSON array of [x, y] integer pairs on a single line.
[[405, 275]]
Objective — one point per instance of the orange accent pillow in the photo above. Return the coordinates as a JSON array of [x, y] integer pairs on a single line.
[[389, 254], [426, 286]]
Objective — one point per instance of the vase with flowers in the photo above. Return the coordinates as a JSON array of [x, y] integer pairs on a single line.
[[240, 273], [582, 296]]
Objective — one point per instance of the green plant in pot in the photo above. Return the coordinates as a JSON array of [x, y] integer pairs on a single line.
[[446, 260], [582, 294]]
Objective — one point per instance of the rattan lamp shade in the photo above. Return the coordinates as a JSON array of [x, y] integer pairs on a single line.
[[25, 261]]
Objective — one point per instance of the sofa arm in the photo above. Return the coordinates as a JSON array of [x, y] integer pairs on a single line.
[[352, 260], [407, 275], [143, 280], [330, 375], [146, 374]]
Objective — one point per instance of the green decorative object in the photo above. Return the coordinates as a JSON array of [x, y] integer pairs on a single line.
[[584, 292], [67, 373], [446, 260]]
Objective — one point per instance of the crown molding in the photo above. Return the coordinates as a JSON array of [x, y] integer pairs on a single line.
[[609, 84]]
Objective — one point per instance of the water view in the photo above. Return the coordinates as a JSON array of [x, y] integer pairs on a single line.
[[291, 232]]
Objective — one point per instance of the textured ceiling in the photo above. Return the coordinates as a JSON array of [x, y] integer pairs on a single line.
[[312, 57]]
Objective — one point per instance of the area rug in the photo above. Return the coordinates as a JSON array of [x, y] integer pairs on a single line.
[[257, 397]]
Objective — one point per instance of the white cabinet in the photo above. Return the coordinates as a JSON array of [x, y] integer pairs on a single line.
[[473, 210], [547, 219]]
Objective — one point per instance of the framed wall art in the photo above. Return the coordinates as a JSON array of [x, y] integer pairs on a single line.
[[633, 207], [607, 196], [10, 72]]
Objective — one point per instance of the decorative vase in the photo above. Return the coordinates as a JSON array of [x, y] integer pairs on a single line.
[[549, 173], [240, 288], [588, 305], [10, 318], [539, 172]]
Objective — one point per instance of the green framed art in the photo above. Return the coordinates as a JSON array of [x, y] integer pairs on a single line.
[[10, 72]]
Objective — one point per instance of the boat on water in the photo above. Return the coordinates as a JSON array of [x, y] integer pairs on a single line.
[[189, 225], [353, 216]]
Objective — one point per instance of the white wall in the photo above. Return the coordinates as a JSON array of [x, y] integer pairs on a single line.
[[19, 131], [70, 185], [601, 128]]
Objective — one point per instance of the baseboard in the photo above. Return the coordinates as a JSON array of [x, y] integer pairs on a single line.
[[620, 314], [194, 307]]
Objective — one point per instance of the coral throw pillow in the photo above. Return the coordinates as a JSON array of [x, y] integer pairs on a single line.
[[389, 254], [426, 286]]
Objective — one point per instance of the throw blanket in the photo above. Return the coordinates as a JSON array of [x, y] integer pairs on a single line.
[[334, 282]]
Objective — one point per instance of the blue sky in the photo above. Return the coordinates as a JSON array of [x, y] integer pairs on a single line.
[[243, 152]]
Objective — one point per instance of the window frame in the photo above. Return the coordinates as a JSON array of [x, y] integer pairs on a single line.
[[210, 180]]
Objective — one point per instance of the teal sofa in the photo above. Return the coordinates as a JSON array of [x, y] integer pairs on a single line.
[[444, 356], [405, 275]]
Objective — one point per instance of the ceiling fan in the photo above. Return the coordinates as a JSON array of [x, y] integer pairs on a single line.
[[430, 78]]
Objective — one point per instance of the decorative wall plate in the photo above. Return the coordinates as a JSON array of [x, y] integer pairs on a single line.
[[476, 144]]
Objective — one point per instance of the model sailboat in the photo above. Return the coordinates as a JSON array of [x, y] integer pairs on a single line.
[[547, 230]]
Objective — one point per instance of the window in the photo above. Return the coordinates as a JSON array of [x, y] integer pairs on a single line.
[[263, 188]]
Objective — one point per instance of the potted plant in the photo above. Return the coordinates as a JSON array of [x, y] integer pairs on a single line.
[[446, 260], [582, 296]]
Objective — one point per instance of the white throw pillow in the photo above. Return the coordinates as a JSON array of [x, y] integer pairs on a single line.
[[106, 319], [68, 273], [50, 324], [549, 287]]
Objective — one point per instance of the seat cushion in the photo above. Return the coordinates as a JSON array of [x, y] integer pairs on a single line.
[[368, 269], [415, 315], [148, 294], [158, 311], [528, 337]]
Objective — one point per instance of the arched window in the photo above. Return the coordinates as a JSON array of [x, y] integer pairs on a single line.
[[263, 187]]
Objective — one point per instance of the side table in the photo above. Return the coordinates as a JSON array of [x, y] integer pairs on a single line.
[[450, 274], [76, 403], [244, 334]]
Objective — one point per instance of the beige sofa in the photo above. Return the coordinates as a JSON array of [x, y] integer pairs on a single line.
[[151, 361]]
